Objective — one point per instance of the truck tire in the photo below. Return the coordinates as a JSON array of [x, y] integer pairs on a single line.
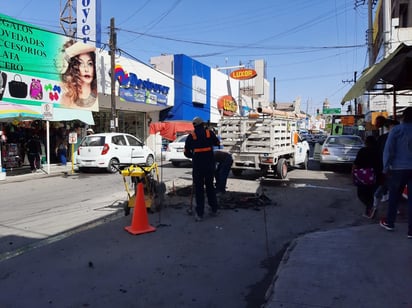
[[282, 168], [237, 172]]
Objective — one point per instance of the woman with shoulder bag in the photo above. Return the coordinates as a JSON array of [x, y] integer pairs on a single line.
[[364, 174]]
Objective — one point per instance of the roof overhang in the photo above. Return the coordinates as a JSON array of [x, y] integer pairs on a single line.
[[394, 70]]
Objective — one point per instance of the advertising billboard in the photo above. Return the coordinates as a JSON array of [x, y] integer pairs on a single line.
[[41, 67]]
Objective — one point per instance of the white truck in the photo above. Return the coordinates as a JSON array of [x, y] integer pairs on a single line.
[[267, 143]]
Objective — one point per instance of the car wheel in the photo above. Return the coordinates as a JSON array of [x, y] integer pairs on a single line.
[[282, 168], [176, 163], [110, 167], [149, 160]]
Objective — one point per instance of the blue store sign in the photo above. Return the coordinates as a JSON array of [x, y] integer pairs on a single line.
[[133, 89]]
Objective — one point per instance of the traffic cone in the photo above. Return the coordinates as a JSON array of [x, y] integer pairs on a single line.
[[140, 222]]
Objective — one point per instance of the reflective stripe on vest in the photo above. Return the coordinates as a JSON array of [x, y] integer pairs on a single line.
[[206, 149], [199, 150], [207, 134]]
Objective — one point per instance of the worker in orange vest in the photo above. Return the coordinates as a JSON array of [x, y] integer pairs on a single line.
[[199, 147]]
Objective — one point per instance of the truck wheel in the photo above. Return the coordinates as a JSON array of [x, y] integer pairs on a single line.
[[237, 172], [282, 168]]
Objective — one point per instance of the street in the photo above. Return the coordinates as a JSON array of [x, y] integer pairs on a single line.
[[48, 254]]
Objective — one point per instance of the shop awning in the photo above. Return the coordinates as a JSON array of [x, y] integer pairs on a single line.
[[394, 70], [63, 114], [168, 130]]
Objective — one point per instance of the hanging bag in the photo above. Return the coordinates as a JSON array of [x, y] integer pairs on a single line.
[[18, 88], [364, 176], [3, 81]]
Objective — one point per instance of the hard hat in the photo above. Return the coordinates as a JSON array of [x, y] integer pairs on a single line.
[[197, 121], [89, 130]]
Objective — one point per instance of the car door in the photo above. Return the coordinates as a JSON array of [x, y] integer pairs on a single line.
[[137, 150], [121, 150], [301, 149]]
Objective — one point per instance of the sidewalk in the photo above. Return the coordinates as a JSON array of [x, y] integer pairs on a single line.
[[24, 172], [364, 266]]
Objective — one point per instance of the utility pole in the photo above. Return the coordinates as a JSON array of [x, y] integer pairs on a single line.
[[370, 34], [356, 100], [112, 43]]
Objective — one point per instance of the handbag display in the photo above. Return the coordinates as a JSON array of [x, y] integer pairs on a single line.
[[36, 89], [18, 88], [364, 176], [3, 81]]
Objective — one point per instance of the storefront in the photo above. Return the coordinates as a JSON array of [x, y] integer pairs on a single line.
[[36, 75]]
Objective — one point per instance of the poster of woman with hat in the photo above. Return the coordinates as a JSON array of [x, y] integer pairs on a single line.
[[78, 76]]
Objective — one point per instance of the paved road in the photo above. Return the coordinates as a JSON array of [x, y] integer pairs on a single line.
[[228, 261]]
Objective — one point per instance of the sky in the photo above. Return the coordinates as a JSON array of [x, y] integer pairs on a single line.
[[311, 48]]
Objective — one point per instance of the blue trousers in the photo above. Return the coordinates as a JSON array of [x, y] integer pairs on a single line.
[[397, 179], [222, 172]]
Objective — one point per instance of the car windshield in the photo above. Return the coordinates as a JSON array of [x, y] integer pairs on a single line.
[[345, 140], [93, 141]]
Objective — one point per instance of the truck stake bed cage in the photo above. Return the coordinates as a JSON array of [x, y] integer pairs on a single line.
[[265, 143]]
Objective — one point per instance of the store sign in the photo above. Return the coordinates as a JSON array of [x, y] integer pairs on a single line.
[[88, 23], [347, 120], [134, 89], [31, 60], [199, 90], [243, 74], [227, 105]]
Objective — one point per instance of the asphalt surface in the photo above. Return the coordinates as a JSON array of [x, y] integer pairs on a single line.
[[360, 266]]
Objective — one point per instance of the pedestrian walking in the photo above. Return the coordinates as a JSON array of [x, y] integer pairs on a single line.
[[397, 166], [224, 163], [34, 152], [364, 172], [61, 151], [199, 147], [381, 193]]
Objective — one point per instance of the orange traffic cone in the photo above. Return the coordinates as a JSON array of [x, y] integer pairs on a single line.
[[140, 222]]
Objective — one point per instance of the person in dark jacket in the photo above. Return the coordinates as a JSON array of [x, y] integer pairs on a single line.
[[367, 157], [224, 162], [382, 189], [199, 147], [34, 152], [397, 167]]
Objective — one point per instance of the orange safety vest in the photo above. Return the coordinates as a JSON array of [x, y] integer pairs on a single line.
[[206, 149]]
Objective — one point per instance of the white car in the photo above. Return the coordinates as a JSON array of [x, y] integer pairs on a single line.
[[175, 150], [103, 150]]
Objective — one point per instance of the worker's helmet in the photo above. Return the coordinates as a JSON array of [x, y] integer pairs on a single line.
[[197, 121]]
